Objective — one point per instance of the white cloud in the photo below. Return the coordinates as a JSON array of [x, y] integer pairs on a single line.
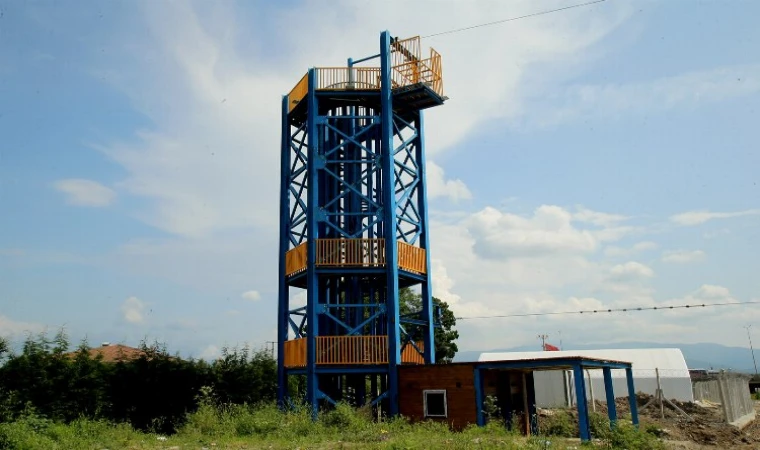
[[210, 352], [133, 310], [683, 256], [662, 94], [500, 235], [213, 140], [598, 218], [699, 217], [251, 295], [443, 284], [438, 186], [712, 292], [81, 192], [631, 270], [639, 247], [716, 233], [10, 328], [215, 106]]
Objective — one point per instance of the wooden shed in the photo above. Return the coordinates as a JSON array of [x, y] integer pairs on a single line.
[[460, 393]]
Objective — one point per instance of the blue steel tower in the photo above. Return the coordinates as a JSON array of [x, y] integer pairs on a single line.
[[354, 226]]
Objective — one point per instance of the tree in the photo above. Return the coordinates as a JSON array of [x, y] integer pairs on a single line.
[[410, 305]]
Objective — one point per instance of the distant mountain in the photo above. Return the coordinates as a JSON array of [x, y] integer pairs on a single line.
[[698, 356]]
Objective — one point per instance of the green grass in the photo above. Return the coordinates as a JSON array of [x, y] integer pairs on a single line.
[[244, 427]]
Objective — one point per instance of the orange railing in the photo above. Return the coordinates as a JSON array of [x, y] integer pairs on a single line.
[[295, 260], [351, 252], [343, 350], [295, 353], [410, 355], [411, 258], [342, 78], [298, 92], [408, 69], [332, 350], [355, 253]]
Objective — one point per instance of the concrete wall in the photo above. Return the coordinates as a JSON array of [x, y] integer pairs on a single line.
[[732, 392]]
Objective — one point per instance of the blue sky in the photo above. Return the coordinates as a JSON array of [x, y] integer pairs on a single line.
[[604, 156]]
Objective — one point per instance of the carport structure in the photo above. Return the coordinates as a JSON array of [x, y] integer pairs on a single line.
[[494, 374]]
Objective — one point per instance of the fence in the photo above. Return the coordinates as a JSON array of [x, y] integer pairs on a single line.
[[732, 392]]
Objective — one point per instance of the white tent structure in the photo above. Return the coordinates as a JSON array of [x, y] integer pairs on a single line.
[[555, 388]]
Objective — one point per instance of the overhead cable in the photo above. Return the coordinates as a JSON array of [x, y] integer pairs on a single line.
[[457, 30], [611, 310]]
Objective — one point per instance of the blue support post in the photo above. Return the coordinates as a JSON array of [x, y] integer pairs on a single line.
[[427, 296], [632, 397], [312, 292], [610, 394], [283, 291], [584, 430], [479, 398], [389, 221]]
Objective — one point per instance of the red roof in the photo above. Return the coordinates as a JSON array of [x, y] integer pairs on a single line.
[[114, 352]]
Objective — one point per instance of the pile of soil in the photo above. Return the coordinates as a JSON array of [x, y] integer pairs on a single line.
[[704, 427]]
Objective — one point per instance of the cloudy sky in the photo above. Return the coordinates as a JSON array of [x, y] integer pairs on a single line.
[[598, 157]]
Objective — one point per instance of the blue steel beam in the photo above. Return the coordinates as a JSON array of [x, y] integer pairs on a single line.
[[389, 223], [609, 392], [478, 380], [632, 397], [584, 429], [427, 296], [283, 289], [312, 296]]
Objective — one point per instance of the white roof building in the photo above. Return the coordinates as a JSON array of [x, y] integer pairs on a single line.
[[555, 389]]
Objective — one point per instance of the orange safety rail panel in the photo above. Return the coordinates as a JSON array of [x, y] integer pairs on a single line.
[[410, 354], [341, 350], [411, 258], [295, 260], [295, 353], [346, 78], [346, 350], [351, 252], [298, 93], [406, 50], [408, 69]]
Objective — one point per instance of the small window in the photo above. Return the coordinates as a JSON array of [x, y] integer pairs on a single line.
[[435, 403]]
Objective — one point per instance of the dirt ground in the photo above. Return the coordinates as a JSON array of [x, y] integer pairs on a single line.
[[704, 429]]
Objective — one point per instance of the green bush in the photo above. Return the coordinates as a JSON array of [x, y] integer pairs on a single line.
[[628, 437], [559, 423], [154, 392]]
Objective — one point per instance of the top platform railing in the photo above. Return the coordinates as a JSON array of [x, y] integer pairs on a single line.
[[408, 69]]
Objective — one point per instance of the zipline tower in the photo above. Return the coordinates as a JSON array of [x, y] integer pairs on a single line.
[[354, 226]]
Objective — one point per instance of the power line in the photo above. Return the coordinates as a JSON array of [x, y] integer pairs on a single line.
[[611, 310], [512, 19]]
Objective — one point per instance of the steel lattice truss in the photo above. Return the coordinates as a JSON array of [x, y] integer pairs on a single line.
[[408, 180], [297, 231], [351, 207]]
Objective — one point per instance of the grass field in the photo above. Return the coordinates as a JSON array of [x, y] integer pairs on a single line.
[[242, 427]]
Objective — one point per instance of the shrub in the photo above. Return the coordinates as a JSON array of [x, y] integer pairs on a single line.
[[559, 423]]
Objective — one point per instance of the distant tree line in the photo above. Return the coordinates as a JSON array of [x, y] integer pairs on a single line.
[[153, 391]]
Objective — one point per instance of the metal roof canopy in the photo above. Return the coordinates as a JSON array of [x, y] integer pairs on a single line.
[[575, 363], [557, 363]]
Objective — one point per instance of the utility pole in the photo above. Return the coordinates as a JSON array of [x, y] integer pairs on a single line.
[[560, 339], [271, 346], [751, 349], [543, 340]]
